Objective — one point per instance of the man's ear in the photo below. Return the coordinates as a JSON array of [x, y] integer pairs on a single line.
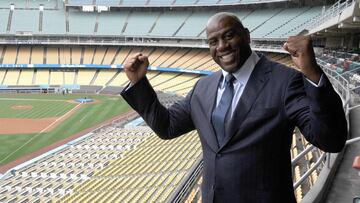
[[247, 36]]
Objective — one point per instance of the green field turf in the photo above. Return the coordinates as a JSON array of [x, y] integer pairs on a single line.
[[50, 105], [41, 108]]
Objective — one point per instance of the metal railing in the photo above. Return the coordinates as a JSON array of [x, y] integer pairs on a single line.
[[306, 175], [188, 182], [106, 40], [343, 86], [331, 12]]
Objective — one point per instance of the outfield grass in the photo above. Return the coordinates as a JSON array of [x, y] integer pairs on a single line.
[[15, 146], [40, 108]]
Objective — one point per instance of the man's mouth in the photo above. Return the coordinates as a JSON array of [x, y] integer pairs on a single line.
[[227, 57]]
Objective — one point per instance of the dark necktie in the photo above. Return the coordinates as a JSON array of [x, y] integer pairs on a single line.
[[222, 110]]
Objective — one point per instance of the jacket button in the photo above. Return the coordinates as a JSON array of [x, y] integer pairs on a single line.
[[218, 155]]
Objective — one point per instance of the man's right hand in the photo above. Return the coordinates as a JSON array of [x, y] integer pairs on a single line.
[[135, 67]]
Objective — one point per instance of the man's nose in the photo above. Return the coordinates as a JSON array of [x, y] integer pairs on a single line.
[[223, 44]]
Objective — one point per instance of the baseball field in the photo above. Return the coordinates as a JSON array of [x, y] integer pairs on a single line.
[[30, 122]]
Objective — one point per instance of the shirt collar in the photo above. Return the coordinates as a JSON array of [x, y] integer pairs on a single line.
[[243, 74]]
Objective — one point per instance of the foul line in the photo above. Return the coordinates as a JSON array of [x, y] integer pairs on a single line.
[[51, 124]]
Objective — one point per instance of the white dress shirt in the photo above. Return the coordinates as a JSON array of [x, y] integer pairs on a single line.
[[242, 76]]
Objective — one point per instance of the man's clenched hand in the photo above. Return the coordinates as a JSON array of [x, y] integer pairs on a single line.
[[135, 67], [302, 54]]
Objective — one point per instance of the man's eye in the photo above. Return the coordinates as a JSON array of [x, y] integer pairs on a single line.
[[212, 42], [229, 36]]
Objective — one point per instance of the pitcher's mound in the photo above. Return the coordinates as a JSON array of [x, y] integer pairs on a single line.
[[84, 100]]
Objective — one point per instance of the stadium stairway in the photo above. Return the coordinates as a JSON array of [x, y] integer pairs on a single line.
[[346, 183]]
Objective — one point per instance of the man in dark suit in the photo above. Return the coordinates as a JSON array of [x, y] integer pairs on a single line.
[[246, 113]]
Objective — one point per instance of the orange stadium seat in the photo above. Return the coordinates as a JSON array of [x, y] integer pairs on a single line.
[[356, 163]]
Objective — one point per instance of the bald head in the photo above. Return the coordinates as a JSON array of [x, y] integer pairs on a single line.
[[224, 17]]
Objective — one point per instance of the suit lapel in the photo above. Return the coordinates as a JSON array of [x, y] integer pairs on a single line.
[[209, 102], [255, 84]]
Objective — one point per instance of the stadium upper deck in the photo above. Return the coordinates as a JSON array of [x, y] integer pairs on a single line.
[[174, 23], [53, 18]]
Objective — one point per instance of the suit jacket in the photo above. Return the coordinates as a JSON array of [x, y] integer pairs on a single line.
[[254, 164]]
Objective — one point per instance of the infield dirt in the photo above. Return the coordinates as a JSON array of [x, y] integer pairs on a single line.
[[27, 126]]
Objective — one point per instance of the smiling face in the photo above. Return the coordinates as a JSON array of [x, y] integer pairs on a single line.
[[229, 41]]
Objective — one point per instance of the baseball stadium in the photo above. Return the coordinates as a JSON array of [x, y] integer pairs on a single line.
[[66, 134]]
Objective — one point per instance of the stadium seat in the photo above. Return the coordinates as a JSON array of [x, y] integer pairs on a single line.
[[356, 163]]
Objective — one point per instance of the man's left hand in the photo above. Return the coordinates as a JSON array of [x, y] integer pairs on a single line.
[[302, 54]]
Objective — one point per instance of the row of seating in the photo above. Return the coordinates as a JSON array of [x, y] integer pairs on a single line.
[[341, 65], [141, 171], [263, 23], [93, 80], [164, 57], [197, 59], [57, 173], [299, 143], [86, 170]]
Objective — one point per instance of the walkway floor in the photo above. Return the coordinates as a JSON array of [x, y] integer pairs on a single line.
[[346, 184]]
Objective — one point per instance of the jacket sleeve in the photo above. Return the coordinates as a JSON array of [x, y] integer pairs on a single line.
[[166, 123], [317, 111]]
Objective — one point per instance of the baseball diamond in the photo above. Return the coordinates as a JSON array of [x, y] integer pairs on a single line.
[[47, 118]]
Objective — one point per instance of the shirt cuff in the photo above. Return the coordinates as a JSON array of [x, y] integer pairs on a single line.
[[128, 86], [320, 83]]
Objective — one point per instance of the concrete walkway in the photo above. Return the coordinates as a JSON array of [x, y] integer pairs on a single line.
[[346, 184]]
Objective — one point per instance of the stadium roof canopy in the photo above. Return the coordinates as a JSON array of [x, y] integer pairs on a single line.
[[340, 17]]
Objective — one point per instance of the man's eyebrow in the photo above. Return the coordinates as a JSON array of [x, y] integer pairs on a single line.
[[222, 31], [230, 30], [210, 38]]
